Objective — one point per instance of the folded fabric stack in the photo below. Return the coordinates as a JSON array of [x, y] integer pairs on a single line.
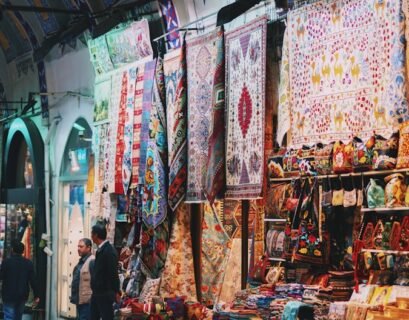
[[342, 284], [321, 307], [277, 308], [337, 311]]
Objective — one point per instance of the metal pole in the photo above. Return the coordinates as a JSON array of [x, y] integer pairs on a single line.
[[245, 206]]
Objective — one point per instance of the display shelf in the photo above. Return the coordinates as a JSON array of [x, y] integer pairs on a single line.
[[276, 259], [386, 251], [351, 174], [274, 220], [384, 209]]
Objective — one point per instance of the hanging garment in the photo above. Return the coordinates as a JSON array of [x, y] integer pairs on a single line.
[[335, 81], [26, 240], [201, 55], [215, 252], [175, 81], [245, 101], [137, 125], [178, 277], [216, 176]]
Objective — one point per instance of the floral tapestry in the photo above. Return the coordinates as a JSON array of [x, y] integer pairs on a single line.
[[245, 102], [342, 72]]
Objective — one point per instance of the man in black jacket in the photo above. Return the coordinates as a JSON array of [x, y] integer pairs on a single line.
[[17, 274], [104, 277]]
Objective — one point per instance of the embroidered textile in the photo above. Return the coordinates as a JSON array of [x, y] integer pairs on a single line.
[[102, 101], [100, 59], [171, 21], [201, 54], [120, 144], [215, 175], [146, 115], [232, 283], [245, 81], [343, 72], [137, 124], [215, 252], [178, 278], [175, 82], [129, 128], [130, 43]]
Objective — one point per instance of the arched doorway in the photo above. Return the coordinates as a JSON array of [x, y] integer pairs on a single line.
[[74, 219], [22, 212]]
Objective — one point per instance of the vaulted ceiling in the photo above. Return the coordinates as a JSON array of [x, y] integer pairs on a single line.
[[23, 31]]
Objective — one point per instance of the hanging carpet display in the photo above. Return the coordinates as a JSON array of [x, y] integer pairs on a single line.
[[100, 59], [178, 277], [175, 82], [216, 246], [216, 176], [342, 72], [201, 55], [245, 101]]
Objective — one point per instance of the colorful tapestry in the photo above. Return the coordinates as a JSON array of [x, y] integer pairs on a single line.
[[175, 82], [102, 99], [110, 143], [171, 21], [216, 246], [178, 277], [232, 279], [343, 72], [227, 216], [245, 95], [129, 128], [120, 144], [154, 200], [137, 124], [130, 43], [215, 175], [146, 115], [99, 54], [201, 54]]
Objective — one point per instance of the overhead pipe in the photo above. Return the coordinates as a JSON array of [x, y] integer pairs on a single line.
[[47, 236]]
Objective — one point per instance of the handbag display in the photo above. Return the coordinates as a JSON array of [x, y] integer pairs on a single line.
[[310, 248], [306, 161], [385, 152], [367, 236], [377, 235], [342, 157], [277, 195], [290, 161], [395, 190], [275, 240], [403, 151], [323, 158], [395, 235], [275, 164], [363, 154], [375, 194], [404, 234]]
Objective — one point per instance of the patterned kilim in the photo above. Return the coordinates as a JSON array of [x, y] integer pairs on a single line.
[[146, 115], [216, 176], [245, 101], [201, 55], [119, 134], [343, 72], [137, 124], [216, 246], [175, 81], [178, 277], [154, 200], [129, 129]]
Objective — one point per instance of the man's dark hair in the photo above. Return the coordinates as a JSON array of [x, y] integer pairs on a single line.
[[17, 246], [87, 242], [100, 231]]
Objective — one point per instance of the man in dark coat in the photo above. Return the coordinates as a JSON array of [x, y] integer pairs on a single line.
[[104, 277], [17, 274]]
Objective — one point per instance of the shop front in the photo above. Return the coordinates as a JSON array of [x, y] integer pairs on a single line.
[[22, 209]]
